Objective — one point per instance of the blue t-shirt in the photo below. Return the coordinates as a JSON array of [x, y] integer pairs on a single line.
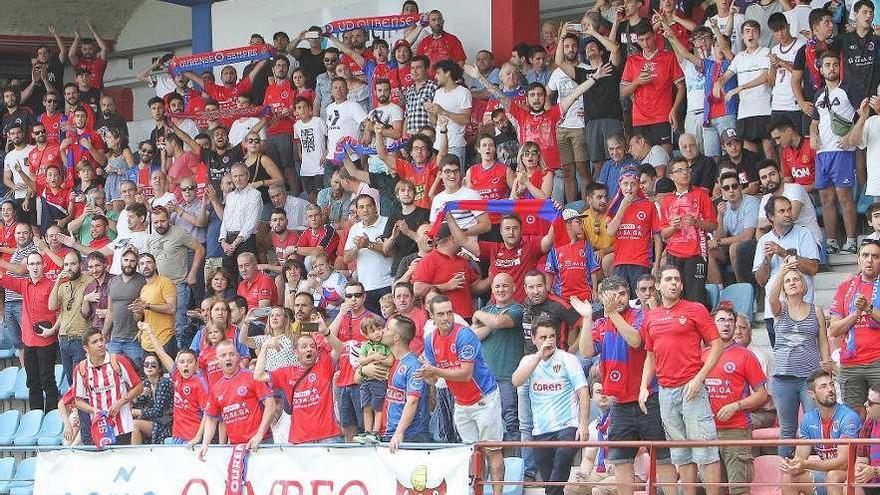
[[744, 217], [553, 387], [845, 423], [460, 346], [610, 173], [403, 384]]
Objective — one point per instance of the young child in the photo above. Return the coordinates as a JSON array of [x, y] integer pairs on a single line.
[[873, 218], [373, 391], [389, 309]]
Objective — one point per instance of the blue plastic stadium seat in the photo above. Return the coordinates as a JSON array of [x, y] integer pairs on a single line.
[[743, 298], [7, 470], [7, 382], [514, 469], [21, 389], [23, 482], [713, 291], [29, 428], [52, 431], [59, 375], [8, 425], [7, 353]]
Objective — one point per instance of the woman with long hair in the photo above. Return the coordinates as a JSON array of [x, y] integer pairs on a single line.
[[119, 160], [291, 281], [801, 348], [219, 284], [533, 179], [152, 409]]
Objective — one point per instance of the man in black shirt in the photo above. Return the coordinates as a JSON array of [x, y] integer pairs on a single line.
[[540, 304], [109, 119], [629, 20], [402, 240], [311, 59], [219, 156], [743, 159], [15, 114], [87, 94], [806, 81], [703, 169]]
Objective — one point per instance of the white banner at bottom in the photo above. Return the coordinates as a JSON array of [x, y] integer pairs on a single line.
[[270, 471]]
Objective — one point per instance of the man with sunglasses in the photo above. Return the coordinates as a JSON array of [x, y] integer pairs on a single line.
[[324, 80], [43, 154], [51, 118], [66, 298], [734, 240]]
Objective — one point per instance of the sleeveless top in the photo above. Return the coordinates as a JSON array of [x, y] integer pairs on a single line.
[[490, 184], [797, 345], [118, 165], [258, 173]]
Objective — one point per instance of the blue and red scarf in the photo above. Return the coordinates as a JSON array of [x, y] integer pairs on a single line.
[[236, 472], [349, 145], [542, 208], [201, 62], [394, 22]]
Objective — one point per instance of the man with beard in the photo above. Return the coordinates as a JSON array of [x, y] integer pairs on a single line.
[[95, 302], [136, 216], [440, 45], [280, 98], [66, 298], [798, 158], [744, 160], [90, 55], [401, 76], [570, 135], [17, 153], [72, 102], [87, 94], [284, 240], [389, 114], [829, 420], [175, 105], [324, 81], [120, 326], [311, 58], [356, 54], [595, 221], [419, 91], [422, 168], [82, 142], [686, 218], [156, 305], [802, 209], [171, 245], [52, 118], [784, 241], [734, 241], [15, 114], [219, 157], [44, 154], [227, 93]]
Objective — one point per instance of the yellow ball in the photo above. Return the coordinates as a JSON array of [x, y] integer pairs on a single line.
[[419, 478]]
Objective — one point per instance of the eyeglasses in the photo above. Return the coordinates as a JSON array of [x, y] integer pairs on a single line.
[[188, 188], [151, 365], [52, 101], [532, 152], [686, 170], [352, 295], [253, 140], [451, 171], [730, 187]]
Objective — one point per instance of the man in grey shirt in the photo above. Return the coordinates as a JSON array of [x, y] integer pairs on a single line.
[[121, 326]]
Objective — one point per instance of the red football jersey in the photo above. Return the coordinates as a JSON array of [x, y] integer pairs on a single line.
[[688, 241], [190, 401], [260, 287], [351, 337], [675, 336], [736, 374], [515, 262], [310, 398], [634, 237], [540, 128], [652, 102], [423, 178], [237, 401], [279, 96]]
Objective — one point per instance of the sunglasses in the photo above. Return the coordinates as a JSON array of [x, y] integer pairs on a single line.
[[531, 152], [151, 365], [353, 295], [39, 133], [253, 140], [188, 188], [730, 187]]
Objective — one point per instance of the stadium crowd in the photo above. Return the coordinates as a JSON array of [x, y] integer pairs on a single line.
[[305, 273]]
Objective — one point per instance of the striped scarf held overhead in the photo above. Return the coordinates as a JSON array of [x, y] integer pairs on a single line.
[[541, 208], [393, 22], [223, 113], [201, 62]]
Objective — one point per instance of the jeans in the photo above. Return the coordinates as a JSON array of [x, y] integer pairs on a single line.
[[72, 352], [525, 428], [461, 153], [554, 464], [509, 409], [789, 393], [129, 348], [181, 320], [771, 332], [12, 321], [712, 134], [39, 364]]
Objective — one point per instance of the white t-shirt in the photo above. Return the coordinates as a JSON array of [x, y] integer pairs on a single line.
[[799, 20], [657, 157], [312, 136], [564, 86], [190, 128], [343, 119], [374, 269], [138, 240], [456, 101], [241, 127], [871, 139], [807, 217], [388, 115], [841, 105], [738, 20], [783, 97], [20, 157], [747, 67], [695, 83], [465, 218]]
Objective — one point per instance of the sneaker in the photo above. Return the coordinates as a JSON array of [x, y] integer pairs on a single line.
[[850, 247], [832, 248], [372, 438], [360, 438]]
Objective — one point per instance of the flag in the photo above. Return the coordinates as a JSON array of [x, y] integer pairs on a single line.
[[200, 62], [543, 208]]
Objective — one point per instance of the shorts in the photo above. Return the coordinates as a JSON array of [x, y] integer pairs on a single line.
[[855, 380], [572, 145], [795, 116], [688, 420], [835, 169], [739, 462], [598, 132], [753, 129], [693, 277], [628, 422], [373, 394], [480, 422], [631, 273], [312, 183], [660, 133], [349, 406]]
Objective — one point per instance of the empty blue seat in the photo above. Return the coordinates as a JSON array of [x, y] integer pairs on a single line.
[[8, 425], [7, 353], [23, 482], [59, 375], [28, 428], [514, 470], [7, 382], [7, 471], [743, 298], [52, 431], [21, 388], [713, 291]]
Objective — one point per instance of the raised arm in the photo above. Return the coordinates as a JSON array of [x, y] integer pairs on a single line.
[[582, 88], [167, 361], [681, 52], [98, 39], [357, 57], [472, 71], [461, 236], [74, 47], [62, 54]]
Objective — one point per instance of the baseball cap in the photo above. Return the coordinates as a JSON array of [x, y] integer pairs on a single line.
[[400, 43], [570, 214], [729, 135]]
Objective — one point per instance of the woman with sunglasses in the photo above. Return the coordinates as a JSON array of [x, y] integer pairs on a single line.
[[533, 181], [263, 172], [152, 409], [119, 160], [801, 348]]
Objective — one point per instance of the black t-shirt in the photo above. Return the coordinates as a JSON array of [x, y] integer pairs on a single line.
[[859, 60], [553, 309], [404, 246], [312, 64], [703, 172], [746, 168], [220, 165], [91, 97], [21, 116], [385, 184], [800, 63], [157, 136], [626, 36], [55, 74], [115, 121], [602, 101]]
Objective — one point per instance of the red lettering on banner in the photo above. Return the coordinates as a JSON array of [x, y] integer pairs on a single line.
[[318, 484], [285, 484], [195, 481], [354, 484]]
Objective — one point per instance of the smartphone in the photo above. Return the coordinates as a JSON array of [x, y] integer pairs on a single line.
[[576, 27], [791, 252], [309, 327], [262, 312], [312, 35]]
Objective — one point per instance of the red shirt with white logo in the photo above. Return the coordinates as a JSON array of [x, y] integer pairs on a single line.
[[737, 372], [40, 159], [309, 393], [514, 261], [280, 95], [438, 268], [351, 337], [634, 237], [574, 265], [260, 287], [652, 102], [326, 237], [675, 336], [281, 245], [444, 47], [237, 401], [96, 67], [687, 241], [52, 123], [401, 78], [490, 184], [861, 343], [209, 365], [51, 270], [190, 401], [226, 96], [356, 69], [421, 177], [800, 163], [540, 128]]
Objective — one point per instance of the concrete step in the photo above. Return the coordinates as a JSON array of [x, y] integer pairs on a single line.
[[842, 259]]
